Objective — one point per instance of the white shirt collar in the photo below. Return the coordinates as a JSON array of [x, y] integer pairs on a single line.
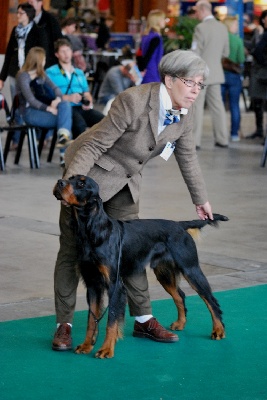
[[208, 17], [166, 104]]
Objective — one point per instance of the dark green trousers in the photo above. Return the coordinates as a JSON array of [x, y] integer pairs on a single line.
[[66, 277]]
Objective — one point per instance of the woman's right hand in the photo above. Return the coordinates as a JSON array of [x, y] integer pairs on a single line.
[[2, 83], [52, 110]]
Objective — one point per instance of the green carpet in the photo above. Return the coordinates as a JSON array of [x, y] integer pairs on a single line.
[[195, 368]]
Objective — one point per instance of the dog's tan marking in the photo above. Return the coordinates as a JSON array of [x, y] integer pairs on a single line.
[[194, 232], [218, 331], [68, 195], [104, 271], [107, 348], [172, 290], [91, 332]]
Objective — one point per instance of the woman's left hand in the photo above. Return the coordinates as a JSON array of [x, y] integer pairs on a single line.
[[52, 110], [204, 211], [55, 102]]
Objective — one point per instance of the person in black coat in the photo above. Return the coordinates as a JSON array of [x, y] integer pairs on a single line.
[[257, 86], [23, 37], [50, 29], [103, 37]]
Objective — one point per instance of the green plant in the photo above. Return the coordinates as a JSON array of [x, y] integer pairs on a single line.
[[180, 34]]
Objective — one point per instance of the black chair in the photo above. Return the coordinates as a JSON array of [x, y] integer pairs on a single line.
[[25, 130], [52, 145], [3, 106], [264, 153], [2, 163]]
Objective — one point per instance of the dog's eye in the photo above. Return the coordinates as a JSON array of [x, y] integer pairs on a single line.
[[81, 184]]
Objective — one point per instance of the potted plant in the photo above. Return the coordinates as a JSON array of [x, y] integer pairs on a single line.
[[180, 34]]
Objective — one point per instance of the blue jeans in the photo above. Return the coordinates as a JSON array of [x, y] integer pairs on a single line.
[[232, 87], [45, 119]]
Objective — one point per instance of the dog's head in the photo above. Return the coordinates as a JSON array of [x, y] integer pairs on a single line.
[[77, 191]]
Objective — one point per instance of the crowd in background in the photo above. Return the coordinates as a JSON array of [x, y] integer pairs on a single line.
[[243, 60]]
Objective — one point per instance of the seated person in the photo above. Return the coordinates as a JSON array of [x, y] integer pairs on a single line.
[[116, 80], [73, 84], [68, 29], [40, 101]]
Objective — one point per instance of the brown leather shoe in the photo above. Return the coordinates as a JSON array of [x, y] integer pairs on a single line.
[[154, 331], [62, 338]]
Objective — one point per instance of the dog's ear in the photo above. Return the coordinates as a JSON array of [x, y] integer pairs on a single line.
[[94, 185], [91, 186], [91, 193]]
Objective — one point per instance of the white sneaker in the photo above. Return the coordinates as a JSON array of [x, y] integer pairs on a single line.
[[63, 138], [62, 160], [235, 138]]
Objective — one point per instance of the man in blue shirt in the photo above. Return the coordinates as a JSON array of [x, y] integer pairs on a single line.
[[73, 84]]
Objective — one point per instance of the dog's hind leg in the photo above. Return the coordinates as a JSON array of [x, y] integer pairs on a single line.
[[199, 283], [185, 256], [167, 278]]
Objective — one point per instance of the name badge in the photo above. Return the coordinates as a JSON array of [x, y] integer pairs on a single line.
[[167, 151]]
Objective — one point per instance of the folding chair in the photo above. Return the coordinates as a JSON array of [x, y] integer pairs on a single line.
[[264, 154], [3, 106], [52, 145], [2, 163], [25, 130]]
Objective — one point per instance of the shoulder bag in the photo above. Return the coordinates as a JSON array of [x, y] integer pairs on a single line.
[[42, 91]]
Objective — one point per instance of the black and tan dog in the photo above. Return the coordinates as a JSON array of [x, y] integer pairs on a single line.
[[110, 250]]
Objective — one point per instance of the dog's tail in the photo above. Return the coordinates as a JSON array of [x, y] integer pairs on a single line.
[[194, 227]]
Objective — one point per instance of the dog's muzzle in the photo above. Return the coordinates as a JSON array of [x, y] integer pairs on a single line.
[[60, 185]]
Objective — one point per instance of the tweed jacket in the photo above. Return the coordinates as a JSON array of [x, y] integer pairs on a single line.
[[115, 151], [211, 42]]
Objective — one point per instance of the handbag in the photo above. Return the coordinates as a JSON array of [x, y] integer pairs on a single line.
[[42, 91], [231, 66]]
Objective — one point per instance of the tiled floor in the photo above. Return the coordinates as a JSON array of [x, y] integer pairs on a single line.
[[235, 255]]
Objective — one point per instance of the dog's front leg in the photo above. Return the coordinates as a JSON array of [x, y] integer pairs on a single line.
[[91, 331], [107, 349], [117, 303]]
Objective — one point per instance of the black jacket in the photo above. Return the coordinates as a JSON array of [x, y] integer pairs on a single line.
[[11, 62], [51, 31], [103, 36]]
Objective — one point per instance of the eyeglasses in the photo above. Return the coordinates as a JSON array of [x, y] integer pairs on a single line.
[[20, 12], [191, 84]]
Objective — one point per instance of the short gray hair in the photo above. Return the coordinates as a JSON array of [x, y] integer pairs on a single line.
[[184, 63], [204, 5]]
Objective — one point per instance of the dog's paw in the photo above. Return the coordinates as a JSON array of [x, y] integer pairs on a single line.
[[105, 352], [83, 349], [177, 326], [218, 334]]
